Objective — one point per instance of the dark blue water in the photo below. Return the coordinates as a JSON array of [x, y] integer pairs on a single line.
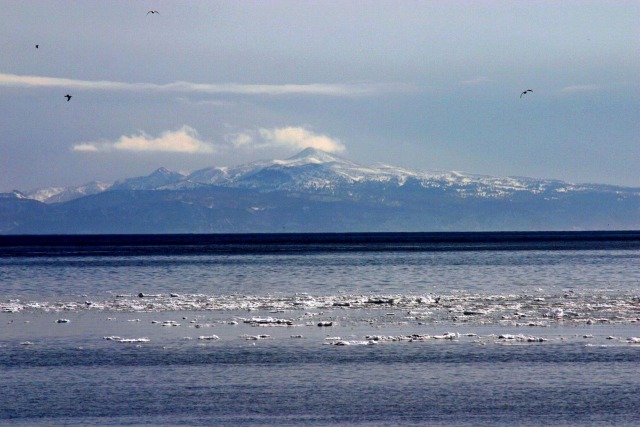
[[584, 373], [179, 244], [45, 266], [432, 385]]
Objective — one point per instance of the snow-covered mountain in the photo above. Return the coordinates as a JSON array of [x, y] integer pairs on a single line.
[[315, 191], [316, 171]]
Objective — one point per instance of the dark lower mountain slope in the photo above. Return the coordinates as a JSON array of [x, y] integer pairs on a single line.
[[369, 207]]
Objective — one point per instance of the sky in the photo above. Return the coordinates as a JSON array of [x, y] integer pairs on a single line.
[[418, 84]]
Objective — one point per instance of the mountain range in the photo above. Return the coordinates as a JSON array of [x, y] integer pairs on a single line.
[[315, 191]]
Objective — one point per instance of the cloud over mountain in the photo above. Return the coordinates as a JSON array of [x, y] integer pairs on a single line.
[[299, 138], [292, 137], [183, 140]]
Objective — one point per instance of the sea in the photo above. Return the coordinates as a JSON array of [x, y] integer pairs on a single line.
[[363, 329]]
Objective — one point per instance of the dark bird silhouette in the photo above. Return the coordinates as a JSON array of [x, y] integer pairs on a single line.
[[153, 12], [68, 97], [37, 46], [523, 93]]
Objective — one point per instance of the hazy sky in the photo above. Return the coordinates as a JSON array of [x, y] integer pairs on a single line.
[[419, 84]]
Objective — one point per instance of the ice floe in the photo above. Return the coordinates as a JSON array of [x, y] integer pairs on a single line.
[[521, 338], [458, 308], [447, 336], [268, 321], [209, 337], [352, 342], [256, 337], [126, 340]]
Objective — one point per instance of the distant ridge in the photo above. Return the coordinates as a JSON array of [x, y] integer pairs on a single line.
[[316, 191], [160, 177]]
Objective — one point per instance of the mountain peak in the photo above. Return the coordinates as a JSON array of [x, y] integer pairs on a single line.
[[160, 177], [163, 171], [313, 155]]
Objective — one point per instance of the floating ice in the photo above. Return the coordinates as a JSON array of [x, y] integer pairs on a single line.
[[209, 337], [352, 342], [582, 308], [521, 338], [134, 340], [170, 323], [447, 336], [268, 321], [11, 308], [256, 337]]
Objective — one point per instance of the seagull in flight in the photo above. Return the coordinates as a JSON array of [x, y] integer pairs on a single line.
[[153, 12], [524, 93], [68, 97]]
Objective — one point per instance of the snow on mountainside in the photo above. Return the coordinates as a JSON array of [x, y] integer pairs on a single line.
[[315, 191], [318, 172], [157, 179], [64, 194], [15, 194]]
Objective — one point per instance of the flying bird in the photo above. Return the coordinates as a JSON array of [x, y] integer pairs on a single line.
[[153, 11], [523, 93], [37, 46], [68, 97]]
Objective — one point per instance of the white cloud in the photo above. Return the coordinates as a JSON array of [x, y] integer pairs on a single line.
[[300, 138], [184, 140], [240, 140], [337, 90]]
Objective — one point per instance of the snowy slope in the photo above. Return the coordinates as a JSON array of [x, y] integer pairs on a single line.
[[318, 172], [64, 194]]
